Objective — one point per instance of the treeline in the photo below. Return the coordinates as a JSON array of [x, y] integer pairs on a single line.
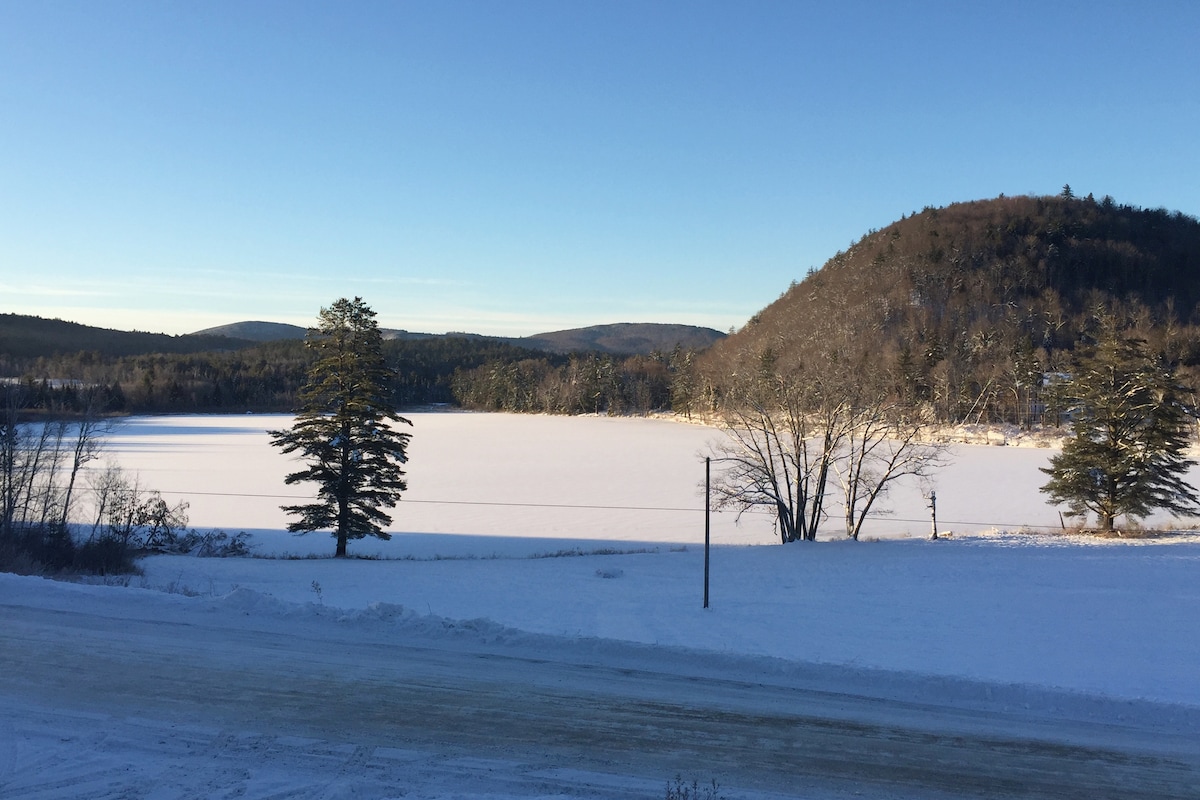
[[577, 384], [472, 372], [261, 378]]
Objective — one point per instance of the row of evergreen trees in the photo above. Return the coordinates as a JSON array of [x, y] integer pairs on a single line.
[[264, 378], [470, 372], [578, 384]]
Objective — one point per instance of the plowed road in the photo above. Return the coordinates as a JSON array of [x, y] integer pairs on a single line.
[[205, 705]]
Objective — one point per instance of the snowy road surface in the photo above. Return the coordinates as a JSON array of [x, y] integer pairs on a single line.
[[124, 693]]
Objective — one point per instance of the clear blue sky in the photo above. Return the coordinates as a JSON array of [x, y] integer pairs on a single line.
[[517, 167]]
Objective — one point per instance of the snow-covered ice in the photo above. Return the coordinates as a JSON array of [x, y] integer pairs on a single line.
[[579, 541]]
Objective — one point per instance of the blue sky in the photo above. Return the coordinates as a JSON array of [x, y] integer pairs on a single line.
[[517, 167]]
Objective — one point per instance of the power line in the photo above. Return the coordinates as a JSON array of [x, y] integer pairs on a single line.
[[553, 505], [436, 502], [585, 507]]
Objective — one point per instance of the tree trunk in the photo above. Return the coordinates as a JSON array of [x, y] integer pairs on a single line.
[[787, 526], [343, 518]]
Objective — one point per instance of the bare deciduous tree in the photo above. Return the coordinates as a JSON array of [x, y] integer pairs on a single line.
[[886, 443], [87, 442], [783, 434], [790, 432], [40, 462]]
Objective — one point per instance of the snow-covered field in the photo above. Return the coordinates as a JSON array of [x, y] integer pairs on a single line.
[[545, 582]]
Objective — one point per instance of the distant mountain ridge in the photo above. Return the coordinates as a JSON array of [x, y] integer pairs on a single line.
[[255, 331], [24, 337], [624, 338]]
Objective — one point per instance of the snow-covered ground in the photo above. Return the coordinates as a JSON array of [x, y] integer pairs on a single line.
[[557, 557]]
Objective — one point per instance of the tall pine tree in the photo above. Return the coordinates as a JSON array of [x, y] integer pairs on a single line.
[[1132, 424], [345, 431]]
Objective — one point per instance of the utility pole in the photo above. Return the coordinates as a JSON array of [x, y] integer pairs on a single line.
[[707, 524]]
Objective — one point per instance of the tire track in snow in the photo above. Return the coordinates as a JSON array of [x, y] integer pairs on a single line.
[[492, 720]]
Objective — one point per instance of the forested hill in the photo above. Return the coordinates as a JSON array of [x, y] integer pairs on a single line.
[[23, 336], [968, 305]]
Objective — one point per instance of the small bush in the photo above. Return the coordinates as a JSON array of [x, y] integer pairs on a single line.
[[16, 560], [27, 551], [576, 552], [50, 550], [176, 587], [106, 555], [211, 544], [44, 548], [679, 790]]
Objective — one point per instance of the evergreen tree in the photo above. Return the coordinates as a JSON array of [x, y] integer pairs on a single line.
[[1126, 455], [342, 430]]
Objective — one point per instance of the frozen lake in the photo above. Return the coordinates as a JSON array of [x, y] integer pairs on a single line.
[[546, 477]]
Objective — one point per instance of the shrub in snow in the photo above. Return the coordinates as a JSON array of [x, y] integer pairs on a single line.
[[693, 791]]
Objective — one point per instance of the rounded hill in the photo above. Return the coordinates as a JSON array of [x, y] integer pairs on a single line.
[[967, 306]]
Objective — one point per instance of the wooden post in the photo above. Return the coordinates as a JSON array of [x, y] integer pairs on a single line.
[[933, 512]]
